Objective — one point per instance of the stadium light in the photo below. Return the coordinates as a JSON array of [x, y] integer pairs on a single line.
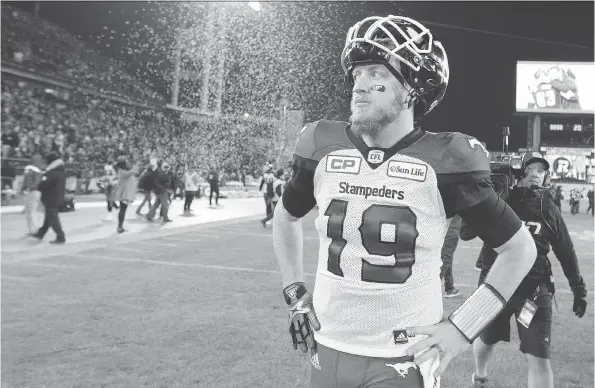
[[255, 5]]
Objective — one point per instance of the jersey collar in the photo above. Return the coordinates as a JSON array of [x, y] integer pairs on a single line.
[[376, 156]]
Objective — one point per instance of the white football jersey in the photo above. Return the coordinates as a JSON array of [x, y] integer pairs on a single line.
[[381, 223]]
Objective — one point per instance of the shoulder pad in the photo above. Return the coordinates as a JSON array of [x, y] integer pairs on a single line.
[[462, 153], [320, 138]]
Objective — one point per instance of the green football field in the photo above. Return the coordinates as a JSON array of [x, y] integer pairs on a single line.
[[201, 306]]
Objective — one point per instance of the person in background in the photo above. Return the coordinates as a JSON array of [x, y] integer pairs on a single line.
[[278, 187], [451, 240], [213, 179], [531, 302], [145, 184], [575, 201], [32, 178], [125, 190], [266, 187], [52, 188], [191, 181], [590, 198], [162, 184], [108, 183]]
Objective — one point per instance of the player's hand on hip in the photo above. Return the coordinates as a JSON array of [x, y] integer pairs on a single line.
[[443, 340], [302, 318]]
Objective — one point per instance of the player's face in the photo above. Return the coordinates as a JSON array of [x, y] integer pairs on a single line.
[[535, 174], [372, 110]]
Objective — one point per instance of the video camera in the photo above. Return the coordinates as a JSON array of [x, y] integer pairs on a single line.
[[505, 169]]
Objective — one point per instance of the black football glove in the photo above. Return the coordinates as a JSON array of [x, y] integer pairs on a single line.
[[580, 300], [302, 318], [580, 305]]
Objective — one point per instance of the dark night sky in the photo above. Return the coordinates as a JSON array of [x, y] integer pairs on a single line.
[[480, 96]]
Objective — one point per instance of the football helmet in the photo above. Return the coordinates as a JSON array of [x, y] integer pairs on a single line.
[[423, 62]]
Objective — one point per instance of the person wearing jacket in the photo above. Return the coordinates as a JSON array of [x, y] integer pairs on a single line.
[[125, 190], [266, 188], [191, 181], [161, 185], [33, 208], [277, 187], [213, 179], [52, 188], [108, 183], [532, 301], [145, 184], [575, 201]]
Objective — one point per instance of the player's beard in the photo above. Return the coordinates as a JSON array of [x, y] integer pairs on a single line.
[[371, 119]]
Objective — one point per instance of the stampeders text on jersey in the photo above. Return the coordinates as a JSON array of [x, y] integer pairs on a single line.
[[346, 188]]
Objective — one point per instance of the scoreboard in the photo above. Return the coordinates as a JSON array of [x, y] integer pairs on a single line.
[[567, 144], [567, 131]]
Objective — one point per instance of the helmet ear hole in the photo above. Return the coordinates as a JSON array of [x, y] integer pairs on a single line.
[[432, 83]]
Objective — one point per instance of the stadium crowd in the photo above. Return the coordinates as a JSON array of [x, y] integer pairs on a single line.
[[99, 117], [89, 132]]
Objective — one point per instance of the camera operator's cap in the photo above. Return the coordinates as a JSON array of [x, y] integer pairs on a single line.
[[531, 157]]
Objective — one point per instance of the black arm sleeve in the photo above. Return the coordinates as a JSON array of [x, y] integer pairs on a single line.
[[564, 249], [278, 190], [298, 197], [492, 219], [261, 184]]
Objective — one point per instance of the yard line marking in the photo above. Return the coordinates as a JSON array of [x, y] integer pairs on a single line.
[[188, 238], [234, 234], [18, 278], [129, 249], [177, 264], [562, 290], [150, 242], [198, 265], [49, 265]]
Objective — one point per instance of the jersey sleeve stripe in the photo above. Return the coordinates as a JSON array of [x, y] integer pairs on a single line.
[[462, 176], [305, 163]]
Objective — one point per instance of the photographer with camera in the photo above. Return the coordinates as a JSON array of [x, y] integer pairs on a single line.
[[532, 301]]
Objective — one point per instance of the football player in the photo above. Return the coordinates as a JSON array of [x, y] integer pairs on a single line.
[[266, 188], [531, 303], [386, 190]]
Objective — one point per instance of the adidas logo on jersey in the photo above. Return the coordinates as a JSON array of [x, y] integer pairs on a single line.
[[400, 336], [407, 170]]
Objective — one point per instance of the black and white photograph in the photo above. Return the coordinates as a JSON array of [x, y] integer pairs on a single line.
[[297, 194]]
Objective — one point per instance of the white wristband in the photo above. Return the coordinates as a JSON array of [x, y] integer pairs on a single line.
[[478, 311]]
